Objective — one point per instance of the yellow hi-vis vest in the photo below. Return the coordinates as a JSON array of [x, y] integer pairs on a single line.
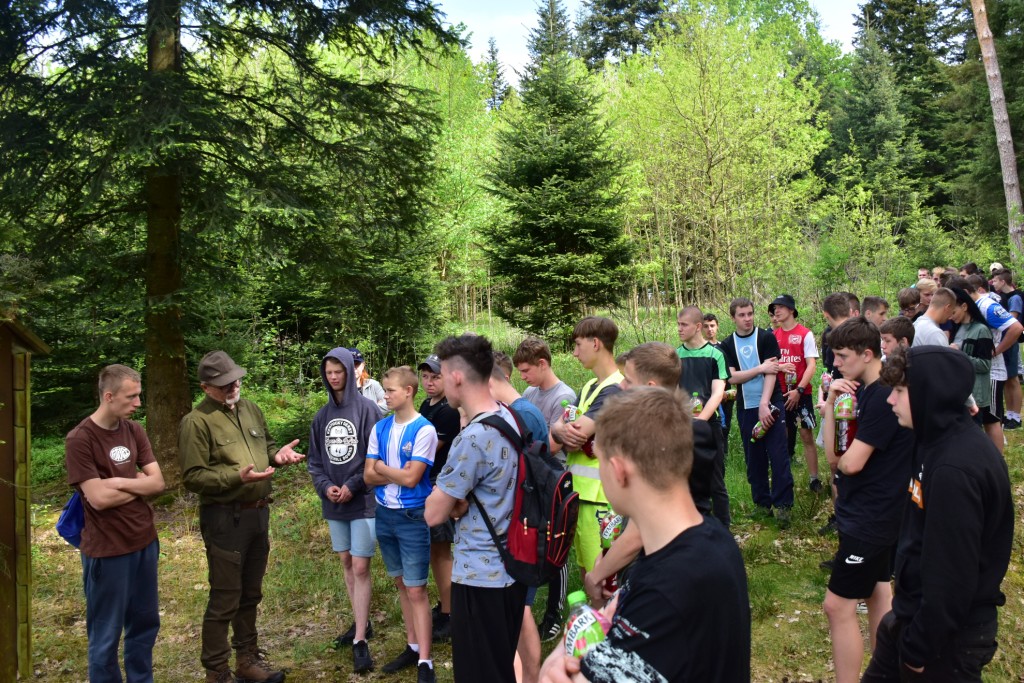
[[585, 479]]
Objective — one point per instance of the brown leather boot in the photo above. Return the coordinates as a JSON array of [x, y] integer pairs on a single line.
[[223, 676], [252, 667]]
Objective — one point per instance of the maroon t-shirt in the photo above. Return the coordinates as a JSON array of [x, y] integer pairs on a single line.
[[92, 452]]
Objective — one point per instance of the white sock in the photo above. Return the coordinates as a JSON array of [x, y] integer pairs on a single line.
[[428, 662], [414, 647]]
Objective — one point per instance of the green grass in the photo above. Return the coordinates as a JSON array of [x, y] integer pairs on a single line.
[[305, 606]]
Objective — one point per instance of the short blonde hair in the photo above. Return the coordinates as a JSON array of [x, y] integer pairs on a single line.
[[652, 427], [926, 285], [405, 376], [655, 361], [113, 376]]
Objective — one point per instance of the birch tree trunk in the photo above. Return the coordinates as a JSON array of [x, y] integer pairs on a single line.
[[1004, 139]]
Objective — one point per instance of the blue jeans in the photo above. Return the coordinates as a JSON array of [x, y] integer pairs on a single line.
[[121, 595], [768, 453], [404, 540]]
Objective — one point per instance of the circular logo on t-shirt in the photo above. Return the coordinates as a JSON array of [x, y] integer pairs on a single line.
[[341, 441], [120, 454]]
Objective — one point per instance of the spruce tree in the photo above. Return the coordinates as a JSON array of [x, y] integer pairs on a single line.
[[616, 27], [189, 125], [561, 250], [494, 73], [913, 34], [871, 127]]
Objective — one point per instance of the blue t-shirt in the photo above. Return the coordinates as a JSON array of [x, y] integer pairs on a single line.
[[532, 418], [397, 444], [999, 320]]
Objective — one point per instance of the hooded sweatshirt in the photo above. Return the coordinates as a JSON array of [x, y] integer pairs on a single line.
[[957, 529], [337, 444]]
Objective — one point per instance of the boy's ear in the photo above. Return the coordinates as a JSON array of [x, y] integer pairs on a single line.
[[619, 468]]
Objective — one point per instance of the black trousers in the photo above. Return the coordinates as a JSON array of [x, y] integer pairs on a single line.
[[961, 660], [485, 631]]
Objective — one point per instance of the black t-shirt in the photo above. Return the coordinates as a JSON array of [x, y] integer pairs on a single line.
[[870, 503], [598, 402], [447, 424], [683, 615], [828, 356]]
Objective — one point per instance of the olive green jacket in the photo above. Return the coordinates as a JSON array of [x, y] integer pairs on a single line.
[[214, 444]]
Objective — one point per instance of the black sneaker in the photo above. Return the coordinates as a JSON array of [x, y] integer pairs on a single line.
[[827, 564], [550, 628], [425, 674], [442, 632], [348, 636], [361, 659], [1011, 423], [829, 528], [403, 661], [816, 486]]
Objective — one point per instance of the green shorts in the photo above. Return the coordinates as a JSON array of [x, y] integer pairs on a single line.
[[588, 534]]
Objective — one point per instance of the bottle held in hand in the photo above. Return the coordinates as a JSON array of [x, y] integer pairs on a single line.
[[759, 430], [845, 410], [585, 628]]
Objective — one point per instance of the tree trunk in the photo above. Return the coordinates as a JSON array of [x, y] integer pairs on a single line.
[[167, 389], [1004, 139]]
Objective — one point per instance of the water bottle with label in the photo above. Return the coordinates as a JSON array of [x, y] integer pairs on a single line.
[[759, 430], [585, 628], [845, 410], [696, 405]]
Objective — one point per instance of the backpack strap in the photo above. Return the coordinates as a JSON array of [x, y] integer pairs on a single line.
[[517, 442]]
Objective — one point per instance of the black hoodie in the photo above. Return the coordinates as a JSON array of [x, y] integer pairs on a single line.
[[957, 530], [337, 444]]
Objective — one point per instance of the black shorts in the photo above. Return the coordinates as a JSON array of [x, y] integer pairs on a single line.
[[858, 566], [802, 415], [993, 413], [443, 532]]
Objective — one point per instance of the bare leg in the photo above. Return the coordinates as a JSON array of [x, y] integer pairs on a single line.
[[879, 603], [360, 594], [810, 452], [528, 650], [418, 618], [995, 432], [441, 565], [1012, 393], [847, 642]]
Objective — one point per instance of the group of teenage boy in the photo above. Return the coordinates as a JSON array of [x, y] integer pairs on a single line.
[[649, 443]]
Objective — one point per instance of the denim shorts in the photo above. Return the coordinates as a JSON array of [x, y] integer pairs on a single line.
[[1012, 359], [404, 540], [355, 535]]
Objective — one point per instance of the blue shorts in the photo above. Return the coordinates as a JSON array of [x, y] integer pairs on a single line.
[[404, 540], [1012, 359], [355, 535], [531, 595]]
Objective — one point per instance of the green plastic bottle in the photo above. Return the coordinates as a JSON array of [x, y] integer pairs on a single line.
[[585, 628]]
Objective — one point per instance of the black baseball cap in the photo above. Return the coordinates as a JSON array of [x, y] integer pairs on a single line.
[[783, 300]]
